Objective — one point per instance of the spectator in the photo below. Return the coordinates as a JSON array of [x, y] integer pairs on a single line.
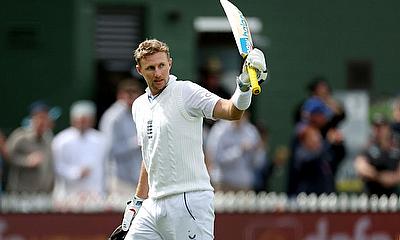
[[318, 115], [233, 148], [80, 153], [125, 153], [379, 165], [314, 155], [320, 111], [319, 90], [29, 153]]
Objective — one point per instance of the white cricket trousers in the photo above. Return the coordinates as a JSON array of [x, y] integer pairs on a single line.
[[188, 215]]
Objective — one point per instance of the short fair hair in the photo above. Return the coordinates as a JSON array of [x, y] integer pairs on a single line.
[[149, 47]]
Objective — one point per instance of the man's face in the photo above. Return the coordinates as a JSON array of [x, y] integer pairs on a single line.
[[155, 70], [322, 90], [129, 95], [318, 120], [41, 122], [83, 122], [312, 140]]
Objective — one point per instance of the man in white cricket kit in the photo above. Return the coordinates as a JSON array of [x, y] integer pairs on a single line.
[[174, 192]]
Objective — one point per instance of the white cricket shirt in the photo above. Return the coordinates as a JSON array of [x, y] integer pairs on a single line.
[[169, 130]]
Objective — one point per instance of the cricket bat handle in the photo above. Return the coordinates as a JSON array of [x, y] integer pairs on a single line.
[[253, 80]]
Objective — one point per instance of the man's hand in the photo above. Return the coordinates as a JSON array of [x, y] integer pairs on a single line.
[[131, 210], [256, 60], [85, 171], [34, 159], [365, 169]]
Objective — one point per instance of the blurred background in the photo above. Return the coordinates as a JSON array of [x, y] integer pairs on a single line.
[[64, 51]]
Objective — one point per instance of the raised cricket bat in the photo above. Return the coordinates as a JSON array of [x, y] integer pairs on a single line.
[[241, 32]]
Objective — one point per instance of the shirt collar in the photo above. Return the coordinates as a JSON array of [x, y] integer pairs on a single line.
[[151, 97]]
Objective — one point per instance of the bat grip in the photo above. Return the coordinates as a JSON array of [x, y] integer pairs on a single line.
[[256, 89]]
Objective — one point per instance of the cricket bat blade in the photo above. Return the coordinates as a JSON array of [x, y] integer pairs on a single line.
[[241, 32]]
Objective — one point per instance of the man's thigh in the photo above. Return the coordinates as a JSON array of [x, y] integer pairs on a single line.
[[189, 216], [183, 216]]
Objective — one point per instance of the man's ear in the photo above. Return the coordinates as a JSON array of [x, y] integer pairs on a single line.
[[170, 63], [138, 69]]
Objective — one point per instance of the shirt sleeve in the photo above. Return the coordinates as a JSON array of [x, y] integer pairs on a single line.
[[199, 102]]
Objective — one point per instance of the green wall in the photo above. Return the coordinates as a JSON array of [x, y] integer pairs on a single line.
[[36, 55], [306, 38]]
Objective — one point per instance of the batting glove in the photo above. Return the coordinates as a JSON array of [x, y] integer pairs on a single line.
[[131, 210], [256, 60], [118, 234]]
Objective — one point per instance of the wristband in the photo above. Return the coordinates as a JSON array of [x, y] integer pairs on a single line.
[[240, 99], [244, 87]]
